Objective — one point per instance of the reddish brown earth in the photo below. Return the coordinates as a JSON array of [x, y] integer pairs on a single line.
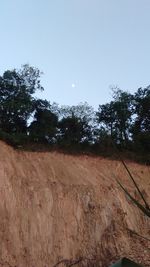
[[60, 208]]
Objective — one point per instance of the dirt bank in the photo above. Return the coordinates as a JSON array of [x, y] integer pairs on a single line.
[[60, 208]]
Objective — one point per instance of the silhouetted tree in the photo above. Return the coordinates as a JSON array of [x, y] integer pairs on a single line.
[[73, 131], [106, 117], [124, 121], [44, 126], [141, 127], [123, 111], [116, 116], [76, 124], [16, 98]]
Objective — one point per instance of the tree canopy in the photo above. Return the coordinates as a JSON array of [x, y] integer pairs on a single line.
[[124, 121]]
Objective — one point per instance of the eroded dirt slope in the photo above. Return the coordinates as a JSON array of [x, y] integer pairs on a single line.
[[60, 208]]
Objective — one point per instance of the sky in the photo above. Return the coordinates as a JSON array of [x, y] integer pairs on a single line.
[[83, 47]]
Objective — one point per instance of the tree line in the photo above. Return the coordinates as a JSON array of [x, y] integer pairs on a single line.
[[124, 122]]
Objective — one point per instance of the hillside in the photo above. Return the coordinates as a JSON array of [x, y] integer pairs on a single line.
[[60, 208]]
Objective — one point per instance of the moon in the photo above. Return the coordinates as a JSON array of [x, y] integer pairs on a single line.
[[73, 85]]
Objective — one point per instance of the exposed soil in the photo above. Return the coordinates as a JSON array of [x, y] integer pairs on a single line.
[[58, 210]]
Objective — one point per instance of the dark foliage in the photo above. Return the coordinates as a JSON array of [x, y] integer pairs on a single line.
[[124, 122], [44, 126]]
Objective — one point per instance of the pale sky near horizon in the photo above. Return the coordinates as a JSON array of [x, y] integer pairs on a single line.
[[82, 46]]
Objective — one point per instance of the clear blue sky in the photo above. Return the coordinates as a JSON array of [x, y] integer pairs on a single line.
[[82, 46]]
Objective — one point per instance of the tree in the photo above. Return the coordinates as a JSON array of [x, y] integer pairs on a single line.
[[142, 109], [82, 111], [16, 98], [44, 126], [123, 109], [116, 116], [105, 116], [73, 131], [141, 127], [76, 124]]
